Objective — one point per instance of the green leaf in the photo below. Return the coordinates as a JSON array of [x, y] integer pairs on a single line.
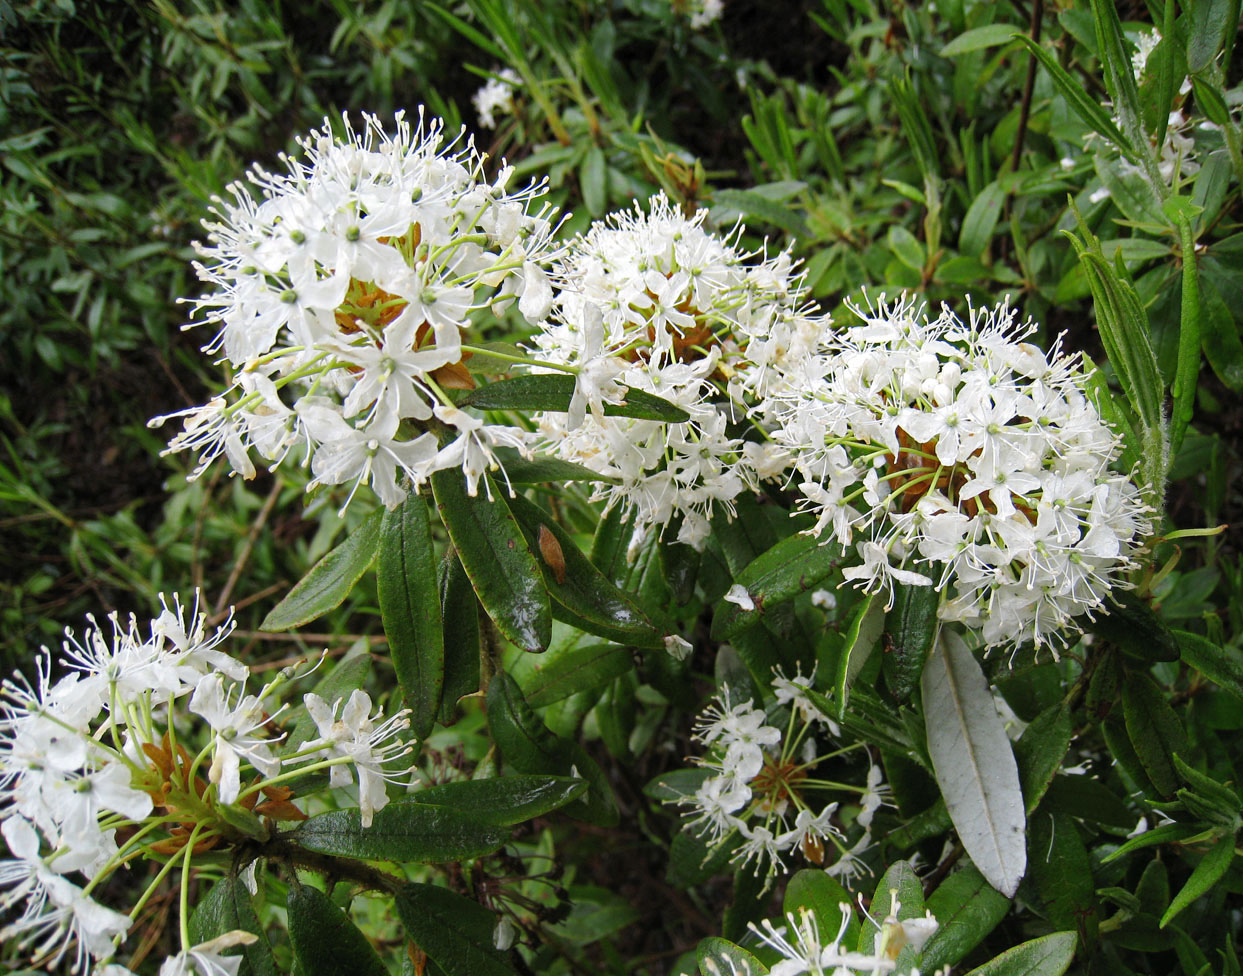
[[906, 247], [1040, 751], [981, 219], [825, 898], [792, 566], [1049, 955], [1062, 873], [401, 832], [552, 391], [591, 179], [1207, 873], [1220, 336], [410, 610], [1209, 20], [494, 554], [1130, 623], [1188, 341], [1171, 833], [974, 764], [578, 669], [529, 746], [502, 800], [692, 860], [762, 209], [325, 941], [910, 629], [1154, 730], [1081, 103], [594, 603], [454, 931], [1220, 665], [720, 957], [542, 469], [901, 881], [861, 640], [459, 618], [967, 909], [330, 580], [1120, 81], [228, 908], [990, 35]]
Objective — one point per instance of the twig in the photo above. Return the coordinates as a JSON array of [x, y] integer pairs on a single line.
[[247, 547], [1026, 106], [933, 880]]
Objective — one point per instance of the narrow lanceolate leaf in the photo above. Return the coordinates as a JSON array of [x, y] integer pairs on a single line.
[[593, 602], [1062, 874], [497, 559], [503, 800], [1120, 81], [720, 957], [910, 629], [454, 931], [1050, 955], [330, 580], [540, 469], [1208, 872], [578, 669], [1220, 665], [325, 941], [1155, 731], [402, 832], [1188, 340], [793, 566], [974, 764], [410, 610], [228, 908], [552, 391], [1040, 750], [898, 881], [459, 609], [967, 908], [527, 745], [861, 640]]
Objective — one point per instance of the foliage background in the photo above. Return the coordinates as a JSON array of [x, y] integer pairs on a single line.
[[842, 124]]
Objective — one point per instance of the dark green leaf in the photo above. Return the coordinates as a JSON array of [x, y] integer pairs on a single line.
[[1209, 20], [454, 931], [578, 669], [1049, 955], [1219, 334], [1154, 730], [825, 898], [502, 800], [1062, 873], [898, 881], [330, 580], [967, 908], [494, 553], [615, 714], [763, 210], [1208, 872], [593, 602], [692, 860], [1040, 750], [228, 908], [1188, 340], [542, 469], [790, 567], [720, 957], [861, 640], [402, 832], [528, 746], [1171, 833], [325, 941], [410, 610], [910, 628], [460, 620], [1128, 622], [591, 179], [1081, 103], [552, 391]]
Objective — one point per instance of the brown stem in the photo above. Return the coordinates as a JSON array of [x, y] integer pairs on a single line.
[[244, 556], [281, 848], [1026, 106]]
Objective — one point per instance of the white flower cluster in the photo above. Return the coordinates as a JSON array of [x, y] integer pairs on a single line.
[[102, 751], [703, 12], [653, 302], [341, 297], [496, 96], [959, 456], [805, 951], [759, 778]]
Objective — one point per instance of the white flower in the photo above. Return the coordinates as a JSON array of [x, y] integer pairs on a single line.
[[340, 296], [738, 595], [355, 736], [207, 958], [679, 648], [497, 95], [808, 954], [981, 464], [233, 723]]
